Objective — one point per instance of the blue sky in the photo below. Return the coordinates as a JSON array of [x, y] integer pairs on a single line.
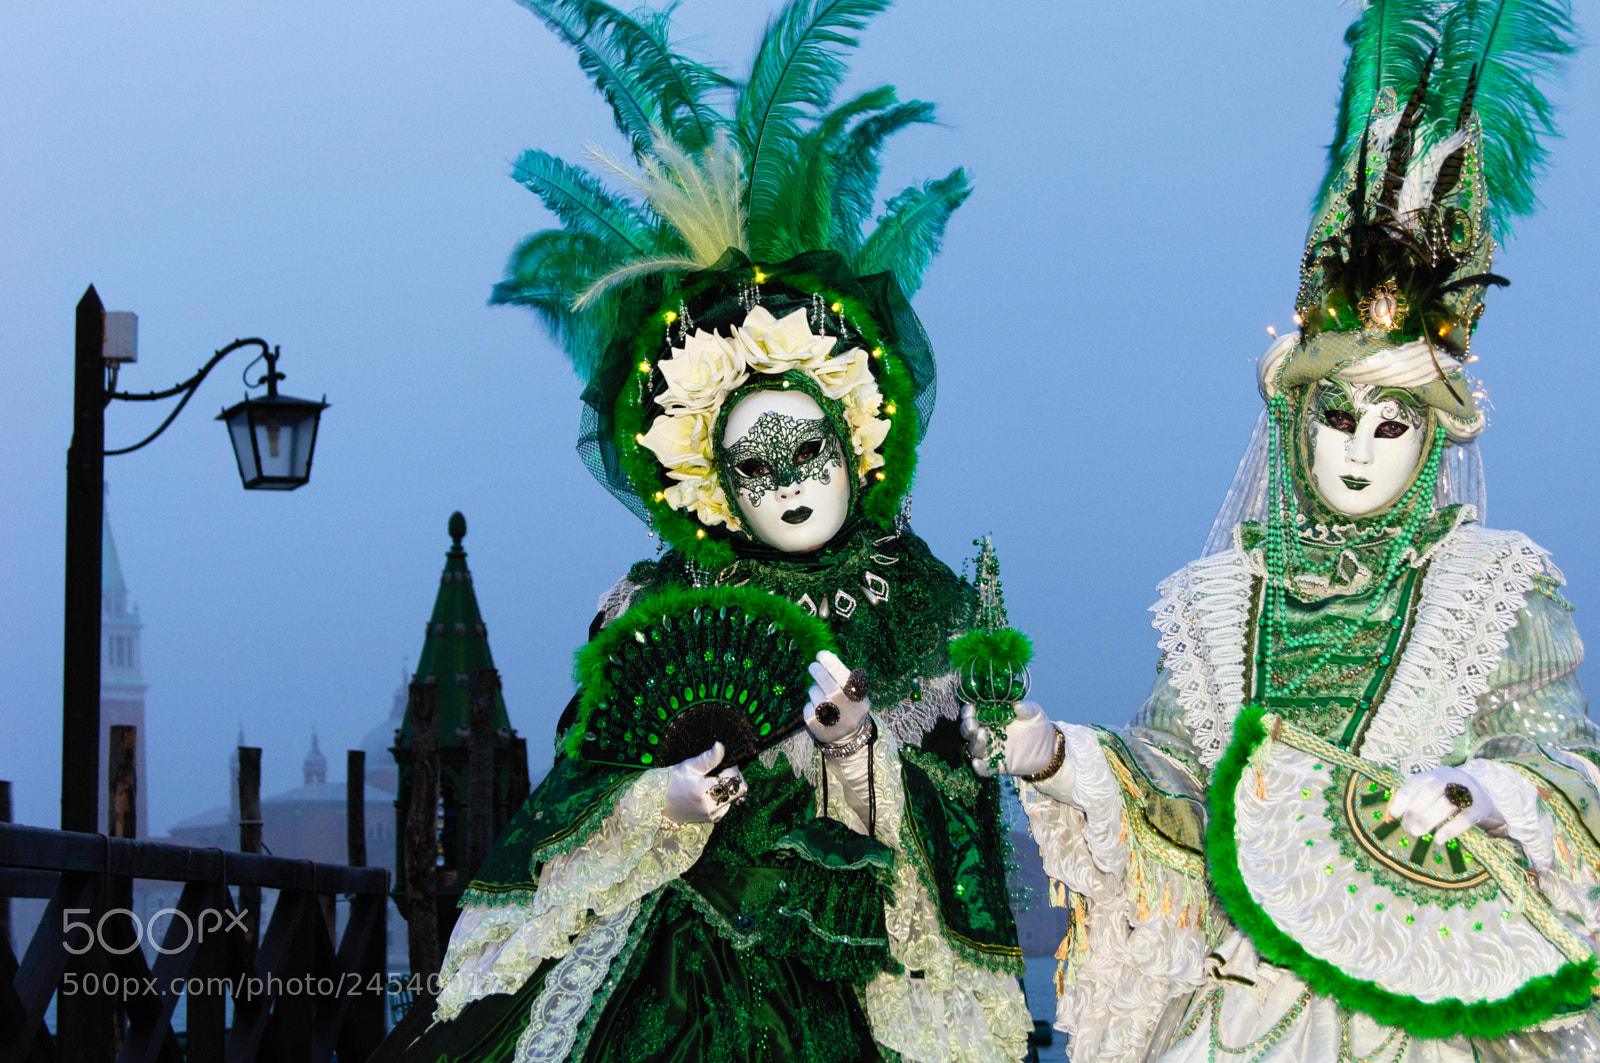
[[333, 177]]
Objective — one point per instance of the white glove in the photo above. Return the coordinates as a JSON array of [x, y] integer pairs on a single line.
[[831, 679], [698, 793], [1030, 741], [1424, 807]]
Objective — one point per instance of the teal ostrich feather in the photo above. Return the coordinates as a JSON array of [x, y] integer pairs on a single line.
[[808, 168]]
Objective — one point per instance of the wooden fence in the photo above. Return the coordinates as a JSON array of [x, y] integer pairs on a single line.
[[298, 996]]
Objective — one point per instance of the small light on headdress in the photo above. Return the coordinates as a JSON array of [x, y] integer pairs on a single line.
[[761, 278], [699, 533], [878, 474], [661, 496], [1471, 358], [785, 383], [672, 315], [889, 408], [1272, 330], [877, 352], [644, 367], [1384, 307], [1298, 321], [638, 437]]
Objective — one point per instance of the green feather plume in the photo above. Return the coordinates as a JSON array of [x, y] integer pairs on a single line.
[[1490, 60], [630, 60], [807, 169], [796, 71], [1503, 50], [910, 232], [1388, 42]]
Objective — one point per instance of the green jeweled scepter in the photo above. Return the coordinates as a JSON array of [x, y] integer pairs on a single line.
[[992, 656]]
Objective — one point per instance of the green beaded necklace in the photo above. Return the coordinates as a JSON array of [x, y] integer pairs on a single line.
[[1286, 556]]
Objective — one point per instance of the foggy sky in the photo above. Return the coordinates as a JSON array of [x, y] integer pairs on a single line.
[[333, 178]]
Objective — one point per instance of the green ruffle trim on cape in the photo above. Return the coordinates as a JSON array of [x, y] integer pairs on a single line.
[[834, 847], [1567, 990]]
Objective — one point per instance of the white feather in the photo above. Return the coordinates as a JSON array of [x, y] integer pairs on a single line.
[[701, 196], [1423, 174], [639, 267]]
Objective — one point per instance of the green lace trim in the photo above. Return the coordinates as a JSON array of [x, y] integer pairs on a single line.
[[958, 783], [480, 895], [1009, 961]]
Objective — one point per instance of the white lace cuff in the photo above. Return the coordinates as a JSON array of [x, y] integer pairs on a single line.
[[495, 949], [1517, 801]]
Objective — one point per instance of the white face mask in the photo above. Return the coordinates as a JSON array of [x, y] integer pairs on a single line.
[[1365, 447], [784, 463]]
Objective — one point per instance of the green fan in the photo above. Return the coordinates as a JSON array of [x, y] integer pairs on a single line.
[[685, 669]]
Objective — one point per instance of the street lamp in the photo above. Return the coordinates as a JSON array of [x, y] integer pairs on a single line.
[[272, 435]]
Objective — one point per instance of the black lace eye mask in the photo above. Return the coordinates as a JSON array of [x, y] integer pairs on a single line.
[[777, 451]]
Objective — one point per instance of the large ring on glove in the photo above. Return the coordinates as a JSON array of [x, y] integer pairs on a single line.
[[1458, 795], [724, 789], [827, 714], [855, 687]]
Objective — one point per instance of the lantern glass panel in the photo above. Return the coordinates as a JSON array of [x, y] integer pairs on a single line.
[[273, 439]]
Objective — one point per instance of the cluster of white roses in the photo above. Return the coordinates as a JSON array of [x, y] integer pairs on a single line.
[[702, 373]]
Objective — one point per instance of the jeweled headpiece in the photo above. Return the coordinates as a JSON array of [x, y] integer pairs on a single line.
[[745, 258], [1437, 148]]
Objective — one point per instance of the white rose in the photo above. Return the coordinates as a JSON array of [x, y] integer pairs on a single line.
[[772, 345], [703, 497], [840, 376], [867, 437], [701, 372], [681, 442]]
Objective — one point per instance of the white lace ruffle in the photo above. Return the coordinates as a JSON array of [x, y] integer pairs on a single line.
[[1126, 967], [1470, 598], [570, 987], [957, 1012], [1294, 870], [495, 949], [910, 720], [1201, 616]]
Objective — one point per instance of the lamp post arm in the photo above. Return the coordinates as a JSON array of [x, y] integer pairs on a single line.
[[187, 389]]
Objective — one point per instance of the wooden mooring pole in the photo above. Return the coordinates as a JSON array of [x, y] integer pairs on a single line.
[[422, 831], [250, 836]]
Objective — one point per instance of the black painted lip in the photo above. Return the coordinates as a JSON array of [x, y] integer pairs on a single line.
[[798, 515], [1356, 483]]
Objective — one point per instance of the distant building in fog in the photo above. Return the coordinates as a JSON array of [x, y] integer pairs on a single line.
[[122, 684]]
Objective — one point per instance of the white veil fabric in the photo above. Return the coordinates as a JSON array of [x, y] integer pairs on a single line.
[[1460, 481]]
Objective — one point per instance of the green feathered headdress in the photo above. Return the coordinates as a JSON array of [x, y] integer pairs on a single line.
[[1437, 147], [751, 194]]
